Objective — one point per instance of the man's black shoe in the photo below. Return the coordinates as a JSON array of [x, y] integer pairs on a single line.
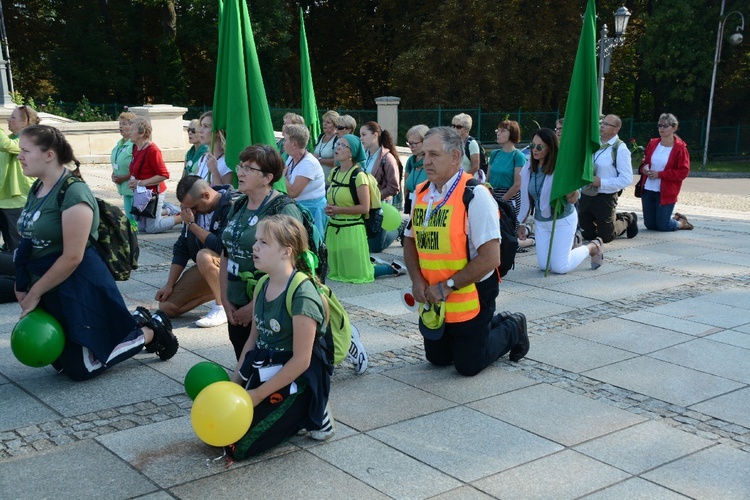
[[522, 347], [499, 318], [633, 226], [164, 343]]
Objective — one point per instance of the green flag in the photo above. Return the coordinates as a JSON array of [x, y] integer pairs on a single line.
[[309, 106], [240, 104], [580, 139]]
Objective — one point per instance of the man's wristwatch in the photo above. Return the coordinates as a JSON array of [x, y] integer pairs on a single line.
[[451, 284], [190, 224]]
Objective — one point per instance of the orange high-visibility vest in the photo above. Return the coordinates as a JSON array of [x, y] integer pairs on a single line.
[[443, 250]]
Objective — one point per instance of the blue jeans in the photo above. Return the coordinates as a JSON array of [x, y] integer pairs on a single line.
[[656, 216]]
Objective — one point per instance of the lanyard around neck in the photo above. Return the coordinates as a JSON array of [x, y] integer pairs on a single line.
[[430, 211]]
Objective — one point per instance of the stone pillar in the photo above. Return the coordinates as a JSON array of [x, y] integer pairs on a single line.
[[166, 121], [388, 114], [5, 86]]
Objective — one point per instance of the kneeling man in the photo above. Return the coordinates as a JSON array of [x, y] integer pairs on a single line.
[[204, 215], [452, 254]]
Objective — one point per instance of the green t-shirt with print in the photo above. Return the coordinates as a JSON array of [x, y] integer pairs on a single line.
[[275, 326], [41, 218], [193, 158], [238, 239], [121, 156]]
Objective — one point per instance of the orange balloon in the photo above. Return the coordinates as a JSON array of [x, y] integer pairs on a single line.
[[222, 413]]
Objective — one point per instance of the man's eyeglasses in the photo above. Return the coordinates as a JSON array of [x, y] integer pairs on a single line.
[[538, 147], [413, 144], [609, 125], [191, 131], [341, 127], [664, 125], [457, 127]]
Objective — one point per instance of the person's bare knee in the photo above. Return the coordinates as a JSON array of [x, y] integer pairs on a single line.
[[206, 262]]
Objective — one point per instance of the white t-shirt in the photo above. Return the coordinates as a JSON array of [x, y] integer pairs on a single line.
[[659, 159], [481, 227], [308, 167], [205, 173]]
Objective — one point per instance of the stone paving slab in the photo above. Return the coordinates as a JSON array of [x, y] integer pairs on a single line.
[[575, 354], [712, 357], [717, 472], [643, 446], [635, 489], [24, 411], [560, 476], [731, 407], [567, 419], [628, 335], [89, 471], [385, 469], [465, 443], [664, 381], [732, 337]]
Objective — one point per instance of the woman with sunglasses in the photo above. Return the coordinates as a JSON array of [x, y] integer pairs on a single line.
[[536, 186], [462, 123], [260, 167], [345, 124], [197, 149], [414, 173], [666, 164]]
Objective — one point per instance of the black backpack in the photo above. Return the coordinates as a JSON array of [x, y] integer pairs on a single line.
[[118, 242], [509, 237], [482, 154]]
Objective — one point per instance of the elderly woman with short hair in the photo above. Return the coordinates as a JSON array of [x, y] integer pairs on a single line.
[[303, 175], [462, 123], [121, 156], [666, 164], [326, 146], [148, 169]]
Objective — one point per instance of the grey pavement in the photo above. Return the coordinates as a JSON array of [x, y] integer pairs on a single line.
[[637, 385]]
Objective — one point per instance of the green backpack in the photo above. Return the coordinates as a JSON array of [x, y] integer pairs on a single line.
[[117, 243], [338, 335]]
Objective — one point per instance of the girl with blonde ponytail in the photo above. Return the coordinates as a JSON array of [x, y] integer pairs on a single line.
[[282, 365]]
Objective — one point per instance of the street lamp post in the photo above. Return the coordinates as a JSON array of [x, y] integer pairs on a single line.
[[607, 44], [735, 39]]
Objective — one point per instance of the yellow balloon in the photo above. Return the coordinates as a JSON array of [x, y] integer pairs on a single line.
[[391, 217], [222, 413]]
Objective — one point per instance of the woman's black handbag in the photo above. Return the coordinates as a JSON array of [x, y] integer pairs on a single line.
[[149, 210]]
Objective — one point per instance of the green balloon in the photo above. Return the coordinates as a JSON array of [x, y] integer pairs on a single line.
[[37, 339], [391, 217], [202, 375]]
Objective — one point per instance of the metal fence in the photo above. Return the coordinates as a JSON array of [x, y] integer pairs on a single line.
[[726, 141]]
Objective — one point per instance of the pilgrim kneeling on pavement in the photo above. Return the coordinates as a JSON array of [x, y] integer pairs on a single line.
[[452, 253]]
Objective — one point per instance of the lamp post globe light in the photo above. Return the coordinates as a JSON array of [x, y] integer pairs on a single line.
[[734, 39], [607, 44]]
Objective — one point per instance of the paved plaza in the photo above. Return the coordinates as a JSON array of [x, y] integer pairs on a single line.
[[637, 385]]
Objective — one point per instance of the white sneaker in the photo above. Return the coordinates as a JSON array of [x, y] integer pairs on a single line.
[[399, 268], [357, 354], [217, 316], [377, 261], [327, 429]]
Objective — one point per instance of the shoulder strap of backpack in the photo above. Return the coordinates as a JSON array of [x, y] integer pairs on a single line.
[[614, 152], [297, 280], [353, 184], [466, 146], [259, 286], [64, 188]]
